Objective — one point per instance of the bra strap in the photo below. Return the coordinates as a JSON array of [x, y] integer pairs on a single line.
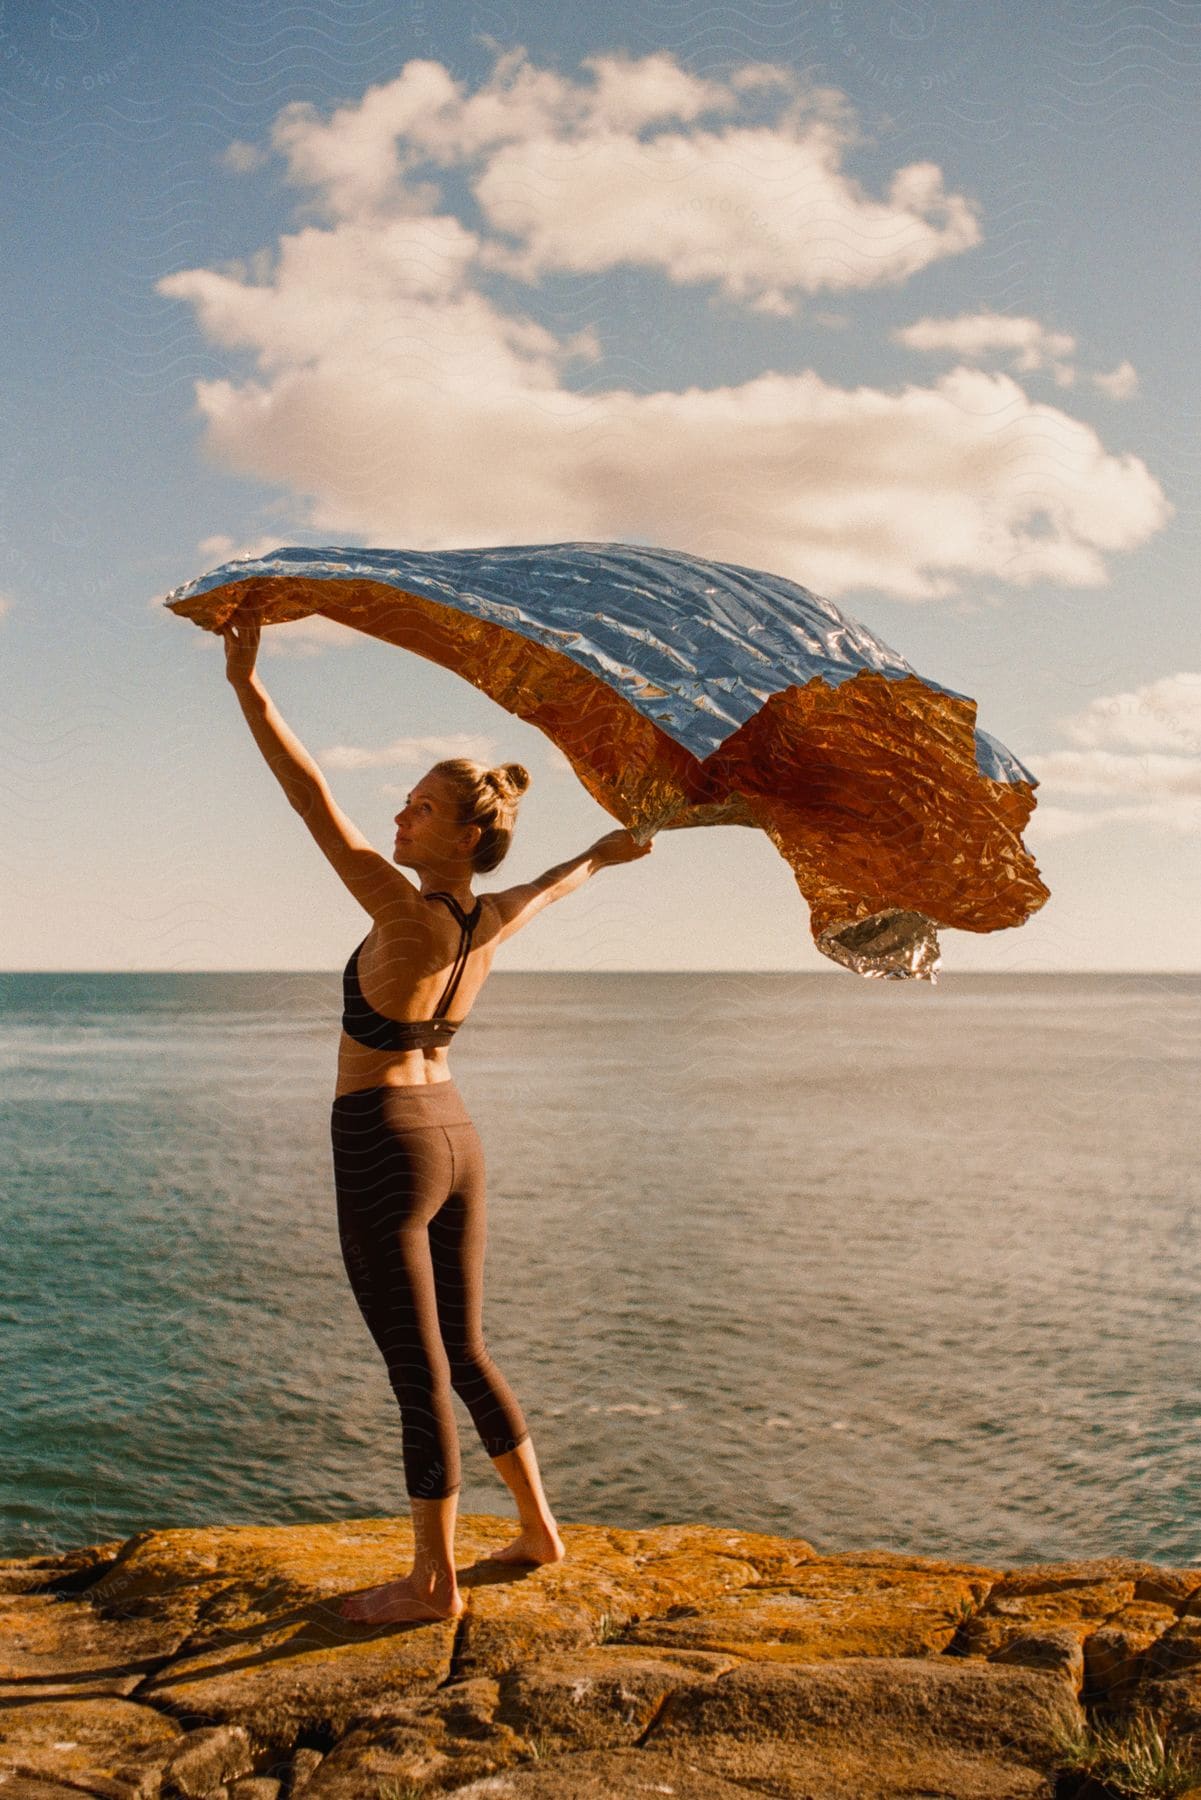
[[467, 925]]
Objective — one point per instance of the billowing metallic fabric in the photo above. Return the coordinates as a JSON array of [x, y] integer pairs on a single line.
[[686, 692]]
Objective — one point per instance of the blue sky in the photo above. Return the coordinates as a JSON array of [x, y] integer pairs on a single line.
[[897, 300]]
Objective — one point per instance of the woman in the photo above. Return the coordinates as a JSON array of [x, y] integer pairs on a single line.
[[408, 1165]]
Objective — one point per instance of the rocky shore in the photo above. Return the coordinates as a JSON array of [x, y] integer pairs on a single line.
[[685, 1660]]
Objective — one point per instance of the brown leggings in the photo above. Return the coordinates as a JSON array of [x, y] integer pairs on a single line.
[[409, 1175]]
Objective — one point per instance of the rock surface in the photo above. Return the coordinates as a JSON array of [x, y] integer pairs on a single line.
[[686, 1660]]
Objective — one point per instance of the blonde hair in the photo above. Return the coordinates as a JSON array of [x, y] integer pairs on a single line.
[[487, 798]]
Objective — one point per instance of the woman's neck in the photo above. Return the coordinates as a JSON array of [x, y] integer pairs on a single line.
[[459, 889]]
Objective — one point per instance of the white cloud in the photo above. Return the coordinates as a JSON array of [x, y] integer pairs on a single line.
[[1029, 344], [761, 211], [1160, 715], [1057, 822], [359, 295], [409, 753], [1141, 751], [362, 157], [1182, 816], [307, 637], [241, 158], [352, 159], [633, 92], [1120, 383], [411, 407], [446, 423], [1114, 773], [762, 214]]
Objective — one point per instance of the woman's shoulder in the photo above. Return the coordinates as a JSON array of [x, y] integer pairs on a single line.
[[432, 921]]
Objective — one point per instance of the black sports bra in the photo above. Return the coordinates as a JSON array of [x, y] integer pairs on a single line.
[[361, 1021]]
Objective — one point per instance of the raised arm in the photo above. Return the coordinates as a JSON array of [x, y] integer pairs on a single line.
[[377, 885], [518, 905]]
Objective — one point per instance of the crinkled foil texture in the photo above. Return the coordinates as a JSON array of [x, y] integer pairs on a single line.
[[871, 788]]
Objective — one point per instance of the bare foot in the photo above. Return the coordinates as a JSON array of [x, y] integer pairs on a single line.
[[533, 1544], [397, 1601]]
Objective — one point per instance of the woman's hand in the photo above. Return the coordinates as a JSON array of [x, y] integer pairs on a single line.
[[241, 648], [619, 847]]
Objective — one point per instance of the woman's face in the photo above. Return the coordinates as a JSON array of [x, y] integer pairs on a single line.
[[427, 826]]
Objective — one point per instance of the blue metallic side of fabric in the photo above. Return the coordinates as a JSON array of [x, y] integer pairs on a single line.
[[695, 646]]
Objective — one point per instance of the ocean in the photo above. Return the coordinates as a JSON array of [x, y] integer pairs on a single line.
[[870, 1264]]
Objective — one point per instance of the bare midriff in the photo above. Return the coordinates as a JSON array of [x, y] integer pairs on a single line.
[[361, 1067], [386, 974]]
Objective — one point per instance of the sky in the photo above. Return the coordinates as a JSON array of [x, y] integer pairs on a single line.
[[896, 300]]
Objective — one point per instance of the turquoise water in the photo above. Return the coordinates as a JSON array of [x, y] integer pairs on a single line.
[[869, 1264]]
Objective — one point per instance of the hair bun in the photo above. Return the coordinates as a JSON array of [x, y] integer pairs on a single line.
[[515, 775]]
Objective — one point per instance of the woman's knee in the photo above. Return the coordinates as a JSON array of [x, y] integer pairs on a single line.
[[413, 1361], [469, 1364]]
